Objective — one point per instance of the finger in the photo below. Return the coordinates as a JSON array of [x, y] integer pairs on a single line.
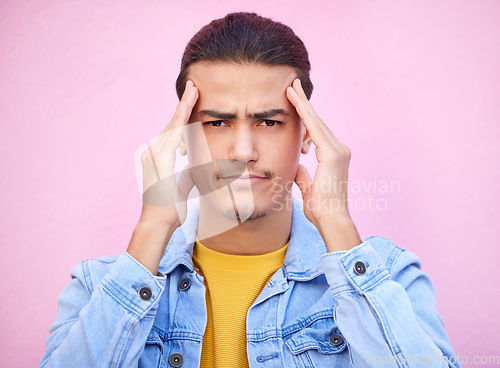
[[297, 87], [186, 182], [186, 105], [319, 132], [171, 137], [303, 179], [312, 123], [179, 191], [160, 193], [158, 161]]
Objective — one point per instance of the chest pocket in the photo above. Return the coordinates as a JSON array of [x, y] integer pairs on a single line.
[[319, 344], [152, 355]]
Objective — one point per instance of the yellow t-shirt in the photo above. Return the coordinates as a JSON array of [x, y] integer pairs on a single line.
[[233, 282]]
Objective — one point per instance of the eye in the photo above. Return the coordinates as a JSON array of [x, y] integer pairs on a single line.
[[215, 124], [270, 123]]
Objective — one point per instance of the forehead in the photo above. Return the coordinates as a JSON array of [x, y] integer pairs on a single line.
[[241, 87]]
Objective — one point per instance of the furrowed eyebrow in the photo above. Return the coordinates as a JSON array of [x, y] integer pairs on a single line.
[[218, 114], [258, 115], [267, 114]]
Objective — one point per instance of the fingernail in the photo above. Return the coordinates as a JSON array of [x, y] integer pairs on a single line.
[[189, 83], [300, 83]]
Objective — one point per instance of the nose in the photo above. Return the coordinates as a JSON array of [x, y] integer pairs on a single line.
[[243, 147]]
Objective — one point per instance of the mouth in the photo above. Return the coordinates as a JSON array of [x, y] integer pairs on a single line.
[[244, 180]]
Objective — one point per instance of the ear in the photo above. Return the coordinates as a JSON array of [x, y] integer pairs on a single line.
[[182, 146], [306, 141]]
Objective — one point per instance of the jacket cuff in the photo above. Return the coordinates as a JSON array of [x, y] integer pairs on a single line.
[[133, 286], [358, 269]]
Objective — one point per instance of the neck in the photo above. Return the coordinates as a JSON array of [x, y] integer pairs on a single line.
[[263, 235]]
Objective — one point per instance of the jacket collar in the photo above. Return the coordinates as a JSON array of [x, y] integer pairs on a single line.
[[302, 260]]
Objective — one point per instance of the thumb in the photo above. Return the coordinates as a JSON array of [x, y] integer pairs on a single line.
[[185, 183], [303, 179]]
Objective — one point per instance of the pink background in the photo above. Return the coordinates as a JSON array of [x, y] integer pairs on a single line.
[[412, 87]]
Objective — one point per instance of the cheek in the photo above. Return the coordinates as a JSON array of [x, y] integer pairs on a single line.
[[215, 146], [197, 145], [285, 150], [293, 141]]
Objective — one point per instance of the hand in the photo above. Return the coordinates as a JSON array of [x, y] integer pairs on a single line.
[[325, 198], [164, 199]]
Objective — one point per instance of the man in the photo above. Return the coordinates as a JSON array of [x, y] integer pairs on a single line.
[[248, 277]]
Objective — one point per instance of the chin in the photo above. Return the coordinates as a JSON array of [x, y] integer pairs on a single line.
[[245, 214], [239, 206]]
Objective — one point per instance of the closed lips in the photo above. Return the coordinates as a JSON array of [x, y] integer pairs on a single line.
[[243, 177]]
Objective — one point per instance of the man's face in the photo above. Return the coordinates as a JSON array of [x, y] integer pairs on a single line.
[[250, 137]]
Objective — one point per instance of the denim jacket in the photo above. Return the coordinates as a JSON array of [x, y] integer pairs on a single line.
[[370, 306]]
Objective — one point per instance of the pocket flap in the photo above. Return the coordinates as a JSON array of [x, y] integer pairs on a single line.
[[315, 336]]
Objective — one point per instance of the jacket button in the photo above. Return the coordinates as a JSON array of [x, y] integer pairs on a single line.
[[336, 339], [145, 293], [184, 284], [176, 360], [360, 268]]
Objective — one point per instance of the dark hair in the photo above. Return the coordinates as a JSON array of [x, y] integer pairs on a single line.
[[247, 37]]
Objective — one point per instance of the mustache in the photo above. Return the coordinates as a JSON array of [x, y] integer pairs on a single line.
[[224, 168]]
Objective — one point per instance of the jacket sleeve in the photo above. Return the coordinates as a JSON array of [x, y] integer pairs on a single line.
[[386, 310], [106, 324]]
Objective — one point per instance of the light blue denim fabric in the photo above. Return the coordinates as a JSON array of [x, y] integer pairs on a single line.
[[315, 312]]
